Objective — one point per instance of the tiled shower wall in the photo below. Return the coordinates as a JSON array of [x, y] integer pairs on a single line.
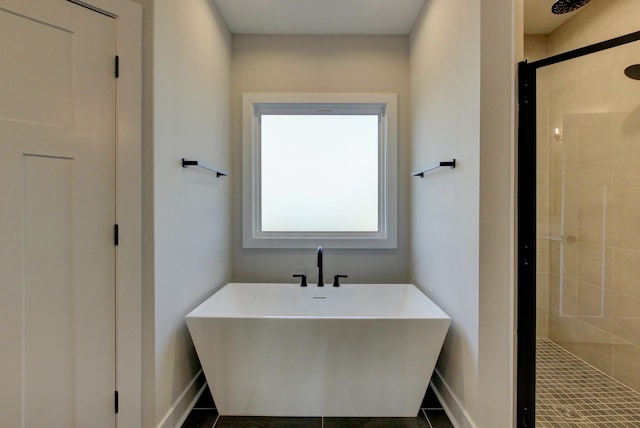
[[589, 192], [536, 47]]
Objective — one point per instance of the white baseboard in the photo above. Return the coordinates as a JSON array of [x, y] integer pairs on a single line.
[[179, 411], [450, 403]]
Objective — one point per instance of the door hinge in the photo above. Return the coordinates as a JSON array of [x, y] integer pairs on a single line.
[[117, 69], [116, 234], [116, 401]]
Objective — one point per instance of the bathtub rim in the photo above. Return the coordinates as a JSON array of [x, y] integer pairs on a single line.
[[435, 311]]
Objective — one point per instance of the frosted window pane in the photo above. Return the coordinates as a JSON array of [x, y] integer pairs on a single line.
[[319, 173]]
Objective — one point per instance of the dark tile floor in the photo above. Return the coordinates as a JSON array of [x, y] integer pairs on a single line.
[[204, 415]]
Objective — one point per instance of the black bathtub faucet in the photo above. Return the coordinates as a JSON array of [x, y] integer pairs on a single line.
[[336, 278], [320, 283]]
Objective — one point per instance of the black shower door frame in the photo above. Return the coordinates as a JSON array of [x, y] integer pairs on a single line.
[[526, 220]]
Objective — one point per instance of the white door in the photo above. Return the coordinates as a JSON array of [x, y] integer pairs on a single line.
[[57, 210]]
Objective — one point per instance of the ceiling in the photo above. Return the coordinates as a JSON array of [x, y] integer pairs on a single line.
[[538, 18], [388, 17], [384, 17]]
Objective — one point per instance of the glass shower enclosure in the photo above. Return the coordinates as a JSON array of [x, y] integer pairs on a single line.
[[579, 238]]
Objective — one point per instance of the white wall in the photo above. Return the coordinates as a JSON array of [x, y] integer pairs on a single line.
[[500, 41], [190, 241], [321, 64], [445, 113], [462, 78]]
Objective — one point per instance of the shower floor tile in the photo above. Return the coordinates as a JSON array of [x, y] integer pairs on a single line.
[[573, 394]]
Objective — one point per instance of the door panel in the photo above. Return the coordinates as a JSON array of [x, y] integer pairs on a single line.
[[31, 92], [48, 295], [57, 193]]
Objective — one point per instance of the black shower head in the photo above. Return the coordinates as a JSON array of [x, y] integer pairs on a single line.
[[633, 72], [566, 6]]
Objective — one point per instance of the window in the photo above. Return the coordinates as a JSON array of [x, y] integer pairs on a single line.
[[319, 169]]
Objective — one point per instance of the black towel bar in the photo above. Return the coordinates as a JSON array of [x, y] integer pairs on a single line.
[[450, 164], [186, 163]]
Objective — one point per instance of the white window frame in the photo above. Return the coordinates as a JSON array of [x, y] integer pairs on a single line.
[[255, 104]]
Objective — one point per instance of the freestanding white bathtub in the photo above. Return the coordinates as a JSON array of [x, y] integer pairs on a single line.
[[286, 350]]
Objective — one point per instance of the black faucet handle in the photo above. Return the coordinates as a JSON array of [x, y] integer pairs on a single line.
[[336, 279], [303, 282]]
